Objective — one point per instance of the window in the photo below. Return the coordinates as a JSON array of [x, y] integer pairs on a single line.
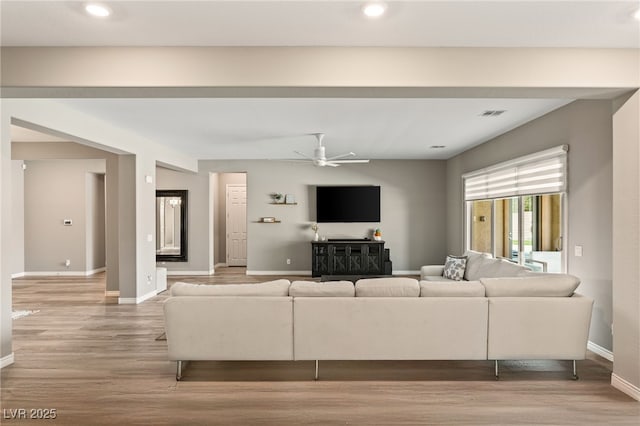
[[514, 210]]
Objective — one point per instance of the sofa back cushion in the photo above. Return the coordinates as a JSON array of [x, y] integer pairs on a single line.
[[492, 268], [532, 285], [474, 260], [277, 288], [387, 287], [451, 289], [322, 289]]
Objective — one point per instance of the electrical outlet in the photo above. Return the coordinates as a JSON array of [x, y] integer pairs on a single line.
[[67, 263], [288, 261]]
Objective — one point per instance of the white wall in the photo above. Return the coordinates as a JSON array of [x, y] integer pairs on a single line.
[[626, 245], [586, 126]]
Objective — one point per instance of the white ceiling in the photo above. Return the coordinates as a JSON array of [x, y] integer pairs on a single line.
[[272, 128], [323, 23]]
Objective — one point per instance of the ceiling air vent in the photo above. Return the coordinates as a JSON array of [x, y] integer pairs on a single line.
[[492, 113]]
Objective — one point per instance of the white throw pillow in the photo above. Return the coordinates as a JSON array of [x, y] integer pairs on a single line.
[[454, 267]]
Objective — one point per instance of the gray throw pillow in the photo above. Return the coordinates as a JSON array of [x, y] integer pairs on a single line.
[[454, 267]]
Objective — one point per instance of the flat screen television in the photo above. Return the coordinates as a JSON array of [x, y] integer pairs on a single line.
[[348, 204]]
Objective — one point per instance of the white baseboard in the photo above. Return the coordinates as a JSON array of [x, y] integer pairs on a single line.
[[7, 360], [305, 273], [623, 386], [18, 275], [405, 273], [63, 273], [597, 349], [112, 293], [136, 300], [173, 273], [96, 271]]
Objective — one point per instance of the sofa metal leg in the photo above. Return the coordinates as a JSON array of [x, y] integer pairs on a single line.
[[315, 377], [497, 373], [575, 371], [180, 365], [178, 371]]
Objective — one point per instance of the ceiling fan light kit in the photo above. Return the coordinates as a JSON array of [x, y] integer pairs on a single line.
[[320, 159]]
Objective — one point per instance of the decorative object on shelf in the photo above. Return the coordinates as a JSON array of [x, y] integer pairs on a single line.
[[277, 197], [377, 235], [314, 228], [268, 219], [290, 199]]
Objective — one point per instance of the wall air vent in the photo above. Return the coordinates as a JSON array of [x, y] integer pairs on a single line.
[[492, 113], [437, 147]]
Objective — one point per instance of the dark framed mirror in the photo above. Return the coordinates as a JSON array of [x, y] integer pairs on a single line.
[[171, 225]]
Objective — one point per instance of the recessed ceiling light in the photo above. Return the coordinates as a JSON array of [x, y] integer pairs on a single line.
[[374, 10], [97, 10]]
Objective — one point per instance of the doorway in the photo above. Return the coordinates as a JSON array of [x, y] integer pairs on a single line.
[[236, 219]]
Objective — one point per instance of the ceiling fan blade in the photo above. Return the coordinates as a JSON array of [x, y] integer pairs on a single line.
[[304, 155], [348, 154], [292, 160], [350, 161]]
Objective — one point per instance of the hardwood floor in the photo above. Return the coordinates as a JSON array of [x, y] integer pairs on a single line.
[[99, 363]]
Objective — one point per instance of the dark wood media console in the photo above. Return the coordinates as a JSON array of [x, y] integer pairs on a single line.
[[349, 257]]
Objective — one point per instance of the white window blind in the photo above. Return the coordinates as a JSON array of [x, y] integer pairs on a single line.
[[540, 173]]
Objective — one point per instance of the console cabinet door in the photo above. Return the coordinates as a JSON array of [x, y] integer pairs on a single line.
[[320, 260], [374, 263]]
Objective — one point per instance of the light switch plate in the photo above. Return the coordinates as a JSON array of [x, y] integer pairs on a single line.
[[577, 251]]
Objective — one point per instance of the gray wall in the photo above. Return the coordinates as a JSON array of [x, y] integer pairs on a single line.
[[586, 126], [17, 217], [413, 216], [199, 257], [56, 190], [95, 209]]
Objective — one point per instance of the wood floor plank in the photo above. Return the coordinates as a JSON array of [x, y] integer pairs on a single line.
[[99, 363]]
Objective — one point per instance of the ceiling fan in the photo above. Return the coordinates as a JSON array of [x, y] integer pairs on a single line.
[[320, 159]]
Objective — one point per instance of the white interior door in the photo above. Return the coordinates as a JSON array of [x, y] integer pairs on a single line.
[[236, 224]]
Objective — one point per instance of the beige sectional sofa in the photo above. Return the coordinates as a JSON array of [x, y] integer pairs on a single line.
[[532, 316]]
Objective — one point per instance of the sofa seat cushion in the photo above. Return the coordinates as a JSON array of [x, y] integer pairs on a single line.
[[323, 289], [387, 287], [277, 288], [451, 289], [531, 285]]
